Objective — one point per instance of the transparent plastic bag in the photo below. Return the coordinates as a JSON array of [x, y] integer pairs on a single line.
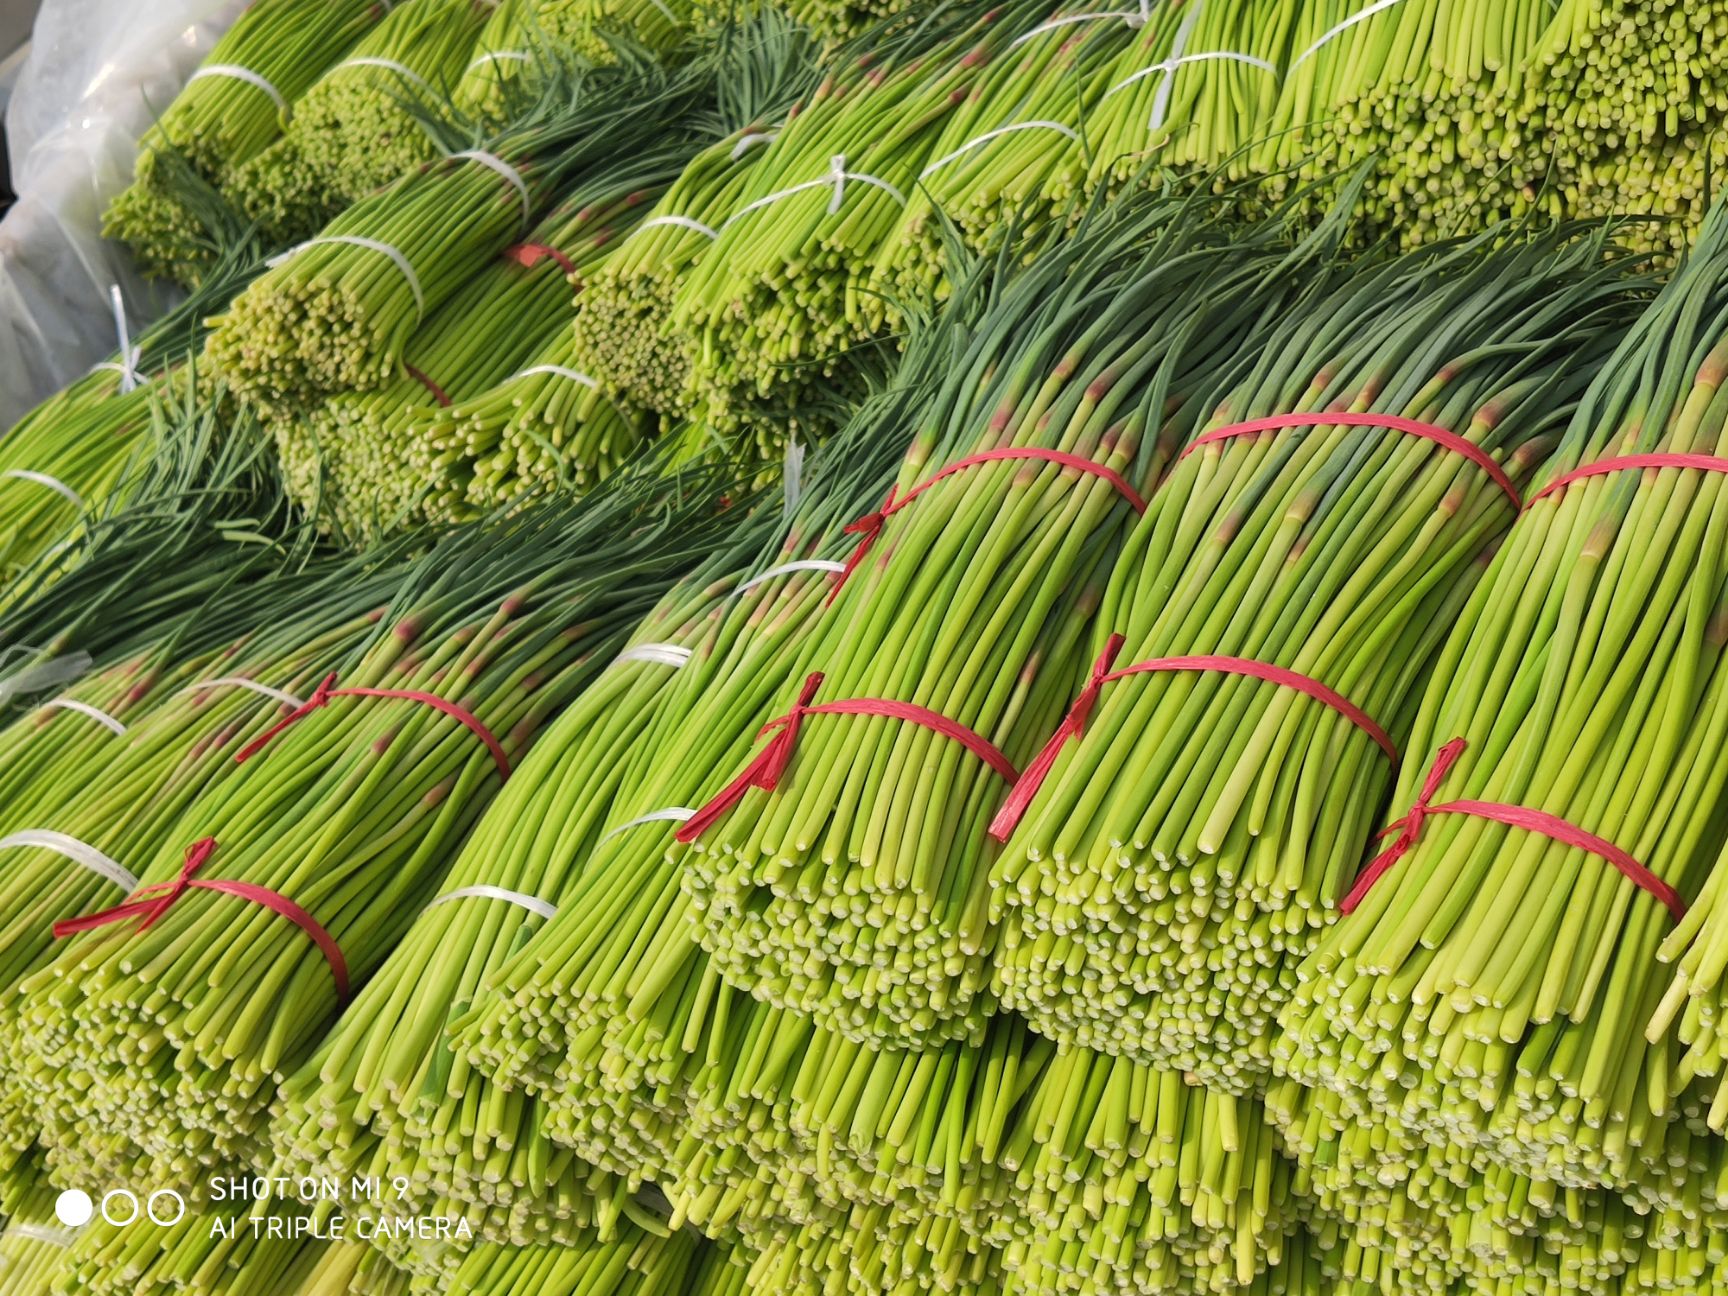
[[98, 73]]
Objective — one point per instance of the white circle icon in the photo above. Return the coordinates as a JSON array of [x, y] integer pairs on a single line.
[[110, 1196], [73, 1208], [171, 1195]]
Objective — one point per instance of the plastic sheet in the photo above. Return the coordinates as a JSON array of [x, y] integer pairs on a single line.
[[97, 74]]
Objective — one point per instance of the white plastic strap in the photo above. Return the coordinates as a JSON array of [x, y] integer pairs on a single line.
[[661, 654], [41, 1233], [101, 717], [1178, 53], [980, 140], [837, 174], [127, 364], [561, 371], [672, 814], [481, 891], [786, 569], [1172, 63], [371, 245], [836, 180], [1338, 29], [500, 56], [43, 479], [749, 140], [509, 172], [1133, 17], [240, 681], [389, 65], [247, 75], [683, 222], [127, 370], [78, 852]]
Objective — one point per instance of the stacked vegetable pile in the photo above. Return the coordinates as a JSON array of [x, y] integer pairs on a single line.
[[335, 829], [83, 451], [712, 665], [1259, 646], [774, 311], [238, 103], [383, 1094], [1482, 1013], [763, 1123], [431, 439], [355, 129], [857, 893]]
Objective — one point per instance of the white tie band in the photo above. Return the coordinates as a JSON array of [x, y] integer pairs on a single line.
[[481, 891], [661, 654], [682, 222], [102, 718], [81, 853], [240, 681], [1135, 18], [389, 65], [836, 180], [559, 371], [786, 569], [510, 173], [672, 814], [980, 140], [500, 56], [749, 140], [43, 479], [1336, 30], [127, 365], [371, 245], [238, 73]]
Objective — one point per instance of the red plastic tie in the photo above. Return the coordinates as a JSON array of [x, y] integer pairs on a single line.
[[1427, 431], [1409, 829], [1623, 463], [327, 689], [768, 766], [1079, 712], [765, 770], [870, 525], [532, 254], [1020, 799], [149, 904], [438, 393]]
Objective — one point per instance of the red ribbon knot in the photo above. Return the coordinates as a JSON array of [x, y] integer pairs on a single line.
[[768, 767], [149, 904], [766, 770], [1021, 797], [318, 701], [327, 690], [870, 525], [1442, 437], [1073, 724], [532, 254], [1538, 821]]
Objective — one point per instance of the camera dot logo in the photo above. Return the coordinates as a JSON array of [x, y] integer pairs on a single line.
[[119, 1206], [173, 1200], [73, 1208]]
